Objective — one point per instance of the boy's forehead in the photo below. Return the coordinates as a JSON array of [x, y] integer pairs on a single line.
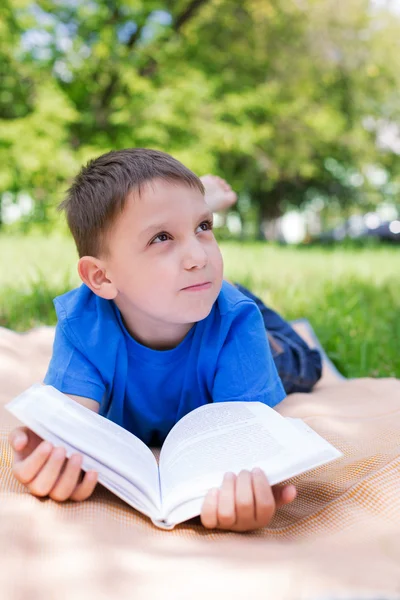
[[161, 189], [157, 198], [161, 202]]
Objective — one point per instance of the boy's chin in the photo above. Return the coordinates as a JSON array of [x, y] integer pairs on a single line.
[[195, 314], [198, 307]]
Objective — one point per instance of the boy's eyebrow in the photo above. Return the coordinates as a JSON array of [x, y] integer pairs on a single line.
[[205, 216]]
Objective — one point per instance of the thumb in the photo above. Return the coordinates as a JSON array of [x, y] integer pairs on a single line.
[[18, 438], [284, 494]]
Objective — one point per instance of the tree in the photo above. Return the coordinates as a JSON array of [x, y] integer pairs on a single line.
[[270, 94]]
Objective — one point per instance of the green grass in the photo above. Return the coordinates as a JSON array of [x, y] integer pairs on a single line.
[[351, 296]]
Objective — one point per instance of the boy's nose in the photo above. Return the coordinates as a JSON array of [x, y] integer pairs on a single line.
[[195, 257]]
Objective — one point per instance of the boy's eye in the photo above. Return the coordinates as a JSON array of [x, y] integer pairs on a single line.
[[161, 237], [164, 237], [205, 226]]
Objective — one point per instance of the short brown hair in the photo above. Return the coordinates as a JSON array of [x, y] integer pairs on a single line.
[[99, 192]]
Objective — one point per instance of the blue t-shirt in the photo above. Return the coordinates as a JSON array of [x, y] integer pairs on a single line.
[[224, 357]]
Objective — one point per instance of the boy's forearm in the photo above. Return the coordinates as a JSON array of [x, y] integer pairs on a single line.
[[87, 402]]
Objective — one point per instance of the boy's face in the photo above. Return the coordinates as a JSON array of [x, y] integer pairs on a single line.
[[164, 262]]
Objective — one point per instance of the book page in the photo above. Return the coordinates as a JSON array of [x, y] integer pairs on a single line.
[[106, 447], [232, 436]]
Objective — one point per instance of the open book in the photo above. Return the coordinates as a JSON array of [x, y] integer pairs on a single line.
[[198, 451]]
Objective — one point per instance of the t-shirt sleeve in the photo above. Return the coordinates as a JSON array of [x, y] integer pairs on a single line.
[[245, 369], [71, 372]]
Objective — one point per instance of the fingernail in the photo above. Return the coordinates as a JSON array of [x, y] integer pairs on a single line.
[[257, 471], [229, 476], [46, 447], [59, 452]]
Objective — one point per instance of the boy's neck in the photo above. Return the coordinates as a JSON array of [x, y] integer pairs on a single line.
[[154, 334]]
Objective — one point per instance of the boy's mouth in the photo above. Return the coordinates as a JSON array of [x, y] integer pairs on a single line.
[[198, 287]]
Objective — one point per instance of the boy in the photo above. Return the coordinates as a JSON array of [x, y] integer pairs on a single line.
[[154, 332]]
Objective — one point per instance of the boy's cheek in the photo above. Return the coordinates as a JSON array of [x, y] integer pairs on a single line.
[[218, 263]]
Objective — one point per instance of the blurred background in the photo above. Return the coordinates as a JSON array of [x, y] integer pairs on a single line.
[[294, 102]]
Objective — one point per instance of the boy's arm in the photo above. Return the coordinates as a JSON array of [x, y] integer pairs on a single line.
[[246, 372], [37, 464], [87, 402], [45, 471]]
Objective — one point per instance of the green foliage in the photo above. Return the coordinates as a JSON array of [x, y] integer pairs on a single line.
[[265, 93], [350, 296]]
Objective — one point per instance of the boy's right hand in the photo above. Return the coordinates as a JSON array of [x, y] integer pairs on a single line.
[[46, 471]]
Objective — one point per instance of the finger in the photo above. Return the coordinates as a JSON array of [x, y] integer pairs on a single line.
[[26, 470], [68, 479], [209, 514], [245, 508], [226, 502], [43, 483], [86, 488], [284, 494], [18, 438], [263, 498]]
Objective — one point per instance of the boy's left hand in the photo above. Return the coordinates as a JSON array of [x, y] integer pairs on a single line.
[[244, 502]]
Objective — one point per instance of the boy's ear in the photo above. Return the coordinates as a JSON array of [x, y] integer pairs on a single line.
[[92, 271]]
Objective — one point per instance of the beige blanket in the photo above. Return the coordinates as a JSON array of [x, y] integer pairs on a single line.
[[339, 539]]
